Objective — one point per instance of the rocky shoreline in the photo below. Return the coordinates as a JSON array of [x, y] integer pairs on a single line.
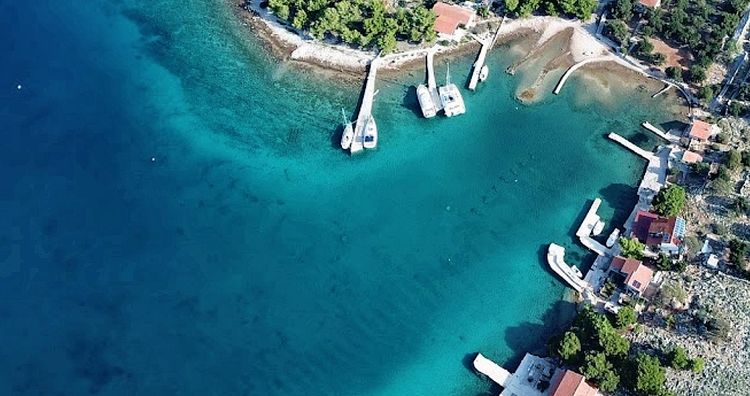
[[727, 358]]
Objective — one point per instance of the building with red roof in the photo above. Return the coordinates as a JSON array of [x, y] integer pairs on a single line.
[[701, 131], [637, 275], [642, 223], [572, 384], [650, 3], [450, 17], [690, 157], [665, 234]]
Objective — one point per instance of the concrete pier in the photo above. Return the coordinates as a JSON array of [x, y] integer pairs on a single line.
[[556, 261], [492, 370], [629, 145], [431, 83], [365, 109], [587, 226]]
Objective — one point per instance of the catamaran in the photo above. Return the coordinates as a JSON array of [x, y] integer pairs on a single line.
[[348, 135], [425, 101], [450, 96]]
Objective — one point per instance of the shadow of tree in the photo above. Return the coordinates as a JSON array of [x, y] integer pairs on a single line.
[[530, 337]]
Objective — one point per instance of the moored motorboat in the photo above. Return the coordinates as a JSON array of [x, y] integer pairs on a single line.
[[370, 134], [484, 72], [613, 237]]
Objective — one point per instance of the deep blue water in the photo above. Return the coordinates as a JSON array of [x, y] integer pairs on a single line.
[[250, 256]]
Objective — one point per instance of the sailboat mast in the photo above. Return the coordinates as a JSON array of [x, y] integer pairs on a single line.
[[448, 74]]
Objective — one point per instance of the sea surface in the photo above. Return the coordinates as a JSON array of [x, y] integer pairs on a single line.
[[176, 219]]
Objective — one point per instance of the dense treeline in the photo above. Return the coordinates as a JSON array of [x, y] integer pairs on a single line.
[[701, 26], [364, 23], [581, 9]]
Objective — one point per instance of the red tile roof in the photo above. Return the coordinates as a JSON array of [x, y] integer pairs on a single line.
[[661, 231], [449, 16], [642, 223], [690, 157], [637, 275], [701, 130], [572, 384], [651, 3]]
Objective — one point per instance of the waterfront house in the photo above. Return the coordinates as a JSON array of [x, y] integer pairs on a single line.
[[660, 234], [700, 131], [637, 275], [572, 384], [450, 18], [665, 234]]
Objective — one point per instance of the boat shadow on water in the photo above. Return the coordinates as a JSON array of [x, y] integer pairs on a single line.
[[411, 103]]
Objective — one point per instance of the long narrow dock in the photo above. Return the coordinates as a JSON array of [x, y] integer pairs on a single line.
[[492, 370], [587, 226], [431, 83], [365, 109], [479, 63], [629, 145]]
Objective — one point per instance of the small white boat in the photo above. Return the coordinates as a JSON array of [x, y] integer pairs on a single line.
[[348, 135], [576, 271], [371, 134], [598, 227], [613, 237], [483, 73], [425, 101]]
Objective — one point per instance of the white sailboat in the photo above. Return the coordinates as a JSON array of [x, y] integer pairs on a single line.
[[450, 97], [348, 135]]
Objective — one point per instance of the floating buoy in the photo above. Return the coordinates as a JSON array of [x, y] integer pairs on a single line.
[[18, 87], [448, 208], [153, 159]]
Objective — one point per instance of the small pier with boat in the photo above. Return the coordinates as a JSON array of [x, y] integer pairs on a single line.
[[450, 97], [433, 99], [480, 69], [364, 132]]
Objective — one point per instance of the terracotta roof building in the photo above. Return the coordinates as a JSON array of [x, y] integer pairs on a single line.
[[642, 223], [701, 131], [666, 234], [650, 3], [450, 17], [572, 384], [637, 275], [690, 157]]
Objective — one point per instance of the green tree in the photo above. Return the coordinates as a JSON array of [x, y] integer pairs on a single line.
[[678, 358], [669, 201], [569, 346], [623, 9], [300, 18], [674, 72], [738, 251], [618, 30], [631, 247], [706, 93], [734, 159], [511, 5], [648, 375], [697, 74], [696, 365], [626, 317], [598, 369]]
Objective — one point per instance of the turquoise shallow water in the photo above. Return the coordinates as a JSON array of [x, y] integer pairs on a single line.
[[252, 256]]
